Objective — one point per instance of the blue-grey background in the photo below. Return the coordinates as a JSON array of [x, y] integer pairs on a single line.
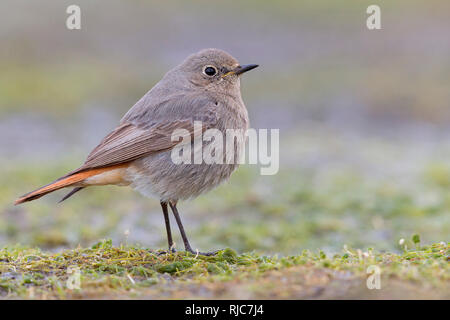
[[364, 120]]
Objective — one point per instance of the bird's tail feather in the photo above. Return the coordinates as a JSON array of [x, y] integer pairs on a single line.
[[71, 193], [63, 182]]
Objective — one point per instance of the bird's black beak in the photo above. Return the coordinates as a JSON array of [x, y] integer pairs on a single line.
[[241, 69]]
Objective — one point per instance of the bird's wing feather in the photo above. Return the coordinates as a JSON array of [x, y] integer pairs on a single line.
[[129, 142], [147, 133]]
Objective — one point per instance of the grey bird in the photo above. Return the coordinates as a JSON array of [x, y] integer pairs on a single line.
[[205, 87]]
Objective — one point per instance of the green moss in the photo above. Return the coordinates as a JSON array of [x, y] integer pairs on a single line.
[[106, 270]]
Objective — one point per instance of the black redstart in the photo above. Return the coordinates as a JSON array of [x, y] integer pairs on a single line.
[[204, 88]]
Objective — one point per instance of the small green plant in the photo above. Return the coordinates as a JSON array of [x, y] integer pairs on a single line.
[[416, 240]]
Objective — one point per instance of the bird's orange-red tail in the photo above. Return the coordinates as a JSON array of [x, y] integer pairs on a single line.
[[74, 179]]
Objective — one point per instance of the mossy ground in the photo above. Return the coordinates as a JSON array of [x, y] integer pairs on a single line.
[[364, 151], [131, 272]]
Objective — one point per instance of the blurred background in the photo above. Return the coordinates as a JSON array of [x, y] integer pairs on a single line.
[[364, 119]]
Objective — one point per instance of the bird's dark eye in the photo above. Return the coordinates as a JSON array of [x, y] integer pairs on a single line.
[[209, 70]]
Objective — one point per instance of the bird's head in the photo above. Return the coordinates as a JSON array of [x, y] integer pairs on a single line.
[[212, 69]]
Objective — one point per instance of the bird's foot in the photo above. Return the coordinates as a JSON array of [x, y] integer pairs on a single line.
[[207, 254], [170, 250]]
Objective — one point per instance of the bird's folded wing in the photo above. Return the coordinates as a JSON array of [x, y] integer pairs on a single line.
[[129, 142]]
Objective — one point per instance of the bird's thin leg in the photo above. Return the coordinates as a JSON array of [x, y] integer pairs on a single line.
[[167, 221], [187, 246]]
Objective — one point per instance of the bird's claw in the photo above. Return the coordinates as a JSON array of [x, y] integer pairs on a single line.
[[207, 254], [167, 251]]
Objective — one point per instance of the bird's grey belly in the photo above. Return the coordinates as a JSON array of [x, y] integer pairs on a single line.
[[157, 176]]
